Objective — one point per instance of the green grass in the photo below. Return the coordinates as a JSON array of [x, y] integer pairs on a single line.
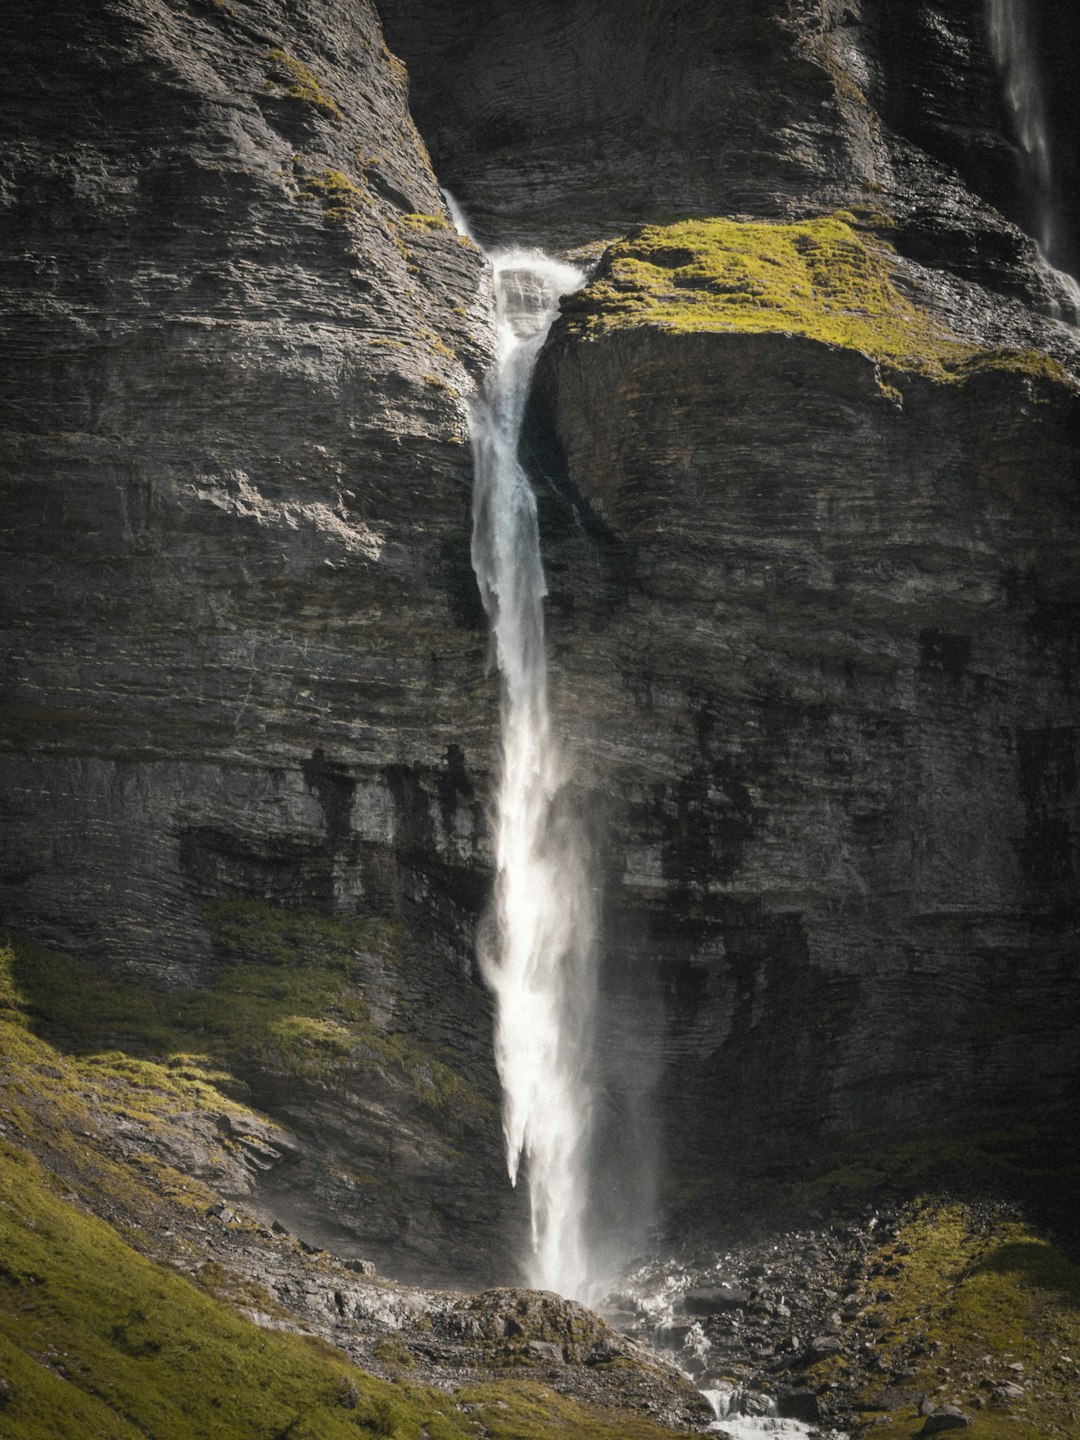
[[965, 1296], [97, 1343], [827, 279]]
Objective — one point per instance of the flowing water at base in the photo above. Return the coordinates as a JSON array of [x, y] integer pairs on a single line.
[[653, 1291]]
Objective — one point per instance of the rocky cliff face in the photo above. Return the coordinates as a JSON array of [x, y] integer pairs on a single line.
[[813, 588], [827, 717], [243, 651], [813, 601]]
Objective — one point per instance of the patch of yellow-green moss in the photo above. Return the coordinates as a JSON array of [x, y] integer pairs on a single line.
[[98, 1343], [334, 191], [287, 1000], [829, 279], [417, 220], [291, 77], [969, 1301]]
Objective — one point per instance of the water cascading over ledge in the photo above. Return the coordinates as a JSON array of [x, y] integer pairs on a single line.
[[537, 952], [1013, 46]]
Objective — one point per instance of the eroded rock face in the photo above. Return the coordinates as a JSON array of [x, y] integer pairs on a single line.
[[244, 654], [826, 697]]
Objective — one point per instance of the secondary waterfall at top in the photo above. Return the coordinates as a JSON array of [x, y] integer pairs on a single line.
[[538, 955], [1013, 45]]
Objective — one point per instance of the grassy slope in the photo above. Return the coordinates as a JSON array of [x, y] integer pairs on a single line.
[[99, 1343], [963, 1296], [827, 279]]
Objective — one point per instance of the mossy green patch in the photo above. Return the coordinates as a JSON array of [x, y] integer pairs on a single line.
[[288, 999], [296, 80], [417, 220], [335, 192], [97, 1343], [831, 279], [972, 1301]]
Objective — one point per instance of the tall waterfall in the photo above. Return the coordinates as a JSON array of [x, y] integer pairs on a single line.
[[1013, 46], [538, 955]]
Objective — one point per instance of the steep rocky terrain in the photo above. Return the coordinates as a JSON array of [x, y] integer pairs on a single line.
[[807, 480], [242, 652], [837, 731]]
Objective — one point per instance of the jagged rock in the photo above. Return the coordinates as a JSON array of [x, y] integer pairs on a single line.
[[822, 1345], [716, 1300], [948, 1417], [544, 1350], [797, 1402]]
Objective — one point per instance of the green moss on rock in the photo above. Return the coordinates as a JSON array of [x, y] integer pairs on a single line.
[[291, 77], [287, 1001], [978, 1311], [335, 192], [829, 279]]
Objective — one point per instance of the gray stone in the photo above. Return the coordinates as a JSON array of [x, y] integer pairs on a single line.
[[947, 1417]]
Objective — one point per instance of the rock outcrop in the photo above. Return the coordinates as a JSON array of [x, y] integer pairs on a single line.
[[822, 690]]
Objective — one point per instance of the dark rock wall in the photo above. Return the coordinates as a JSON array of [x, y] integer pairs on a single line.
[[236, 460], [832, 718], [243, 655]]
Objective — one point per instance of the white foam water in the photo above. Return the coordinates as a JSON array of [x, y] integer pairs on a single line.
[[1014, 51], [537, 955]]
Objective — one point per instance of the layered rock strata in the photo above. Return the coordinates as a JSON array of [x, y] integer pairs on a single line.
[[244, 654]]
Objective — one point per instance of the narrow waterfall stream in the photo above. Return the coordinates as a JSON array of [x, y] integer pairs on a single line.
[[538, 954], [1013, 46], [538, 951]]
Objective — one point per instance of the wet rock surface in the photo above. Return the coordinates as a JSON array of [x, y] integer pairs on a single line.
[[801, 1324]]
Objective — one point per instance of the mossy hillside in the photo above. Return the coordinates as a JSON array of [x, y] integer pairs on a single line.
[[97, 1343], [287, 1000], [64, 1107], [967, 1301], [829, 279]]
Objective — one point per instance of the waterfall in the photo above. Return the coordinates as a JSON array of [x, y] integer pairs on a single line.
[[1013, 47], [537, 955]]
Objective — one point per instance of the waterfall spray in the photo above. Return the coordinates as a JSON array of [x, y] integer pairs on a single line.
[[1013, 48], [538, 959]]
